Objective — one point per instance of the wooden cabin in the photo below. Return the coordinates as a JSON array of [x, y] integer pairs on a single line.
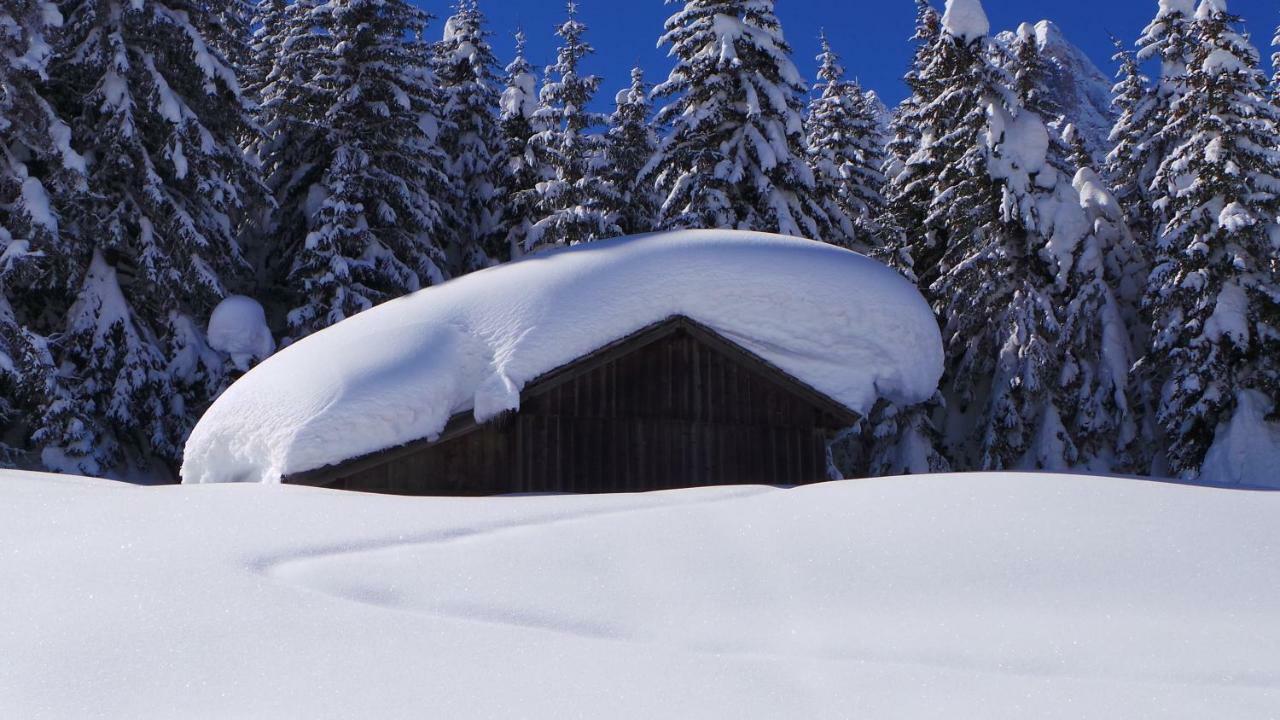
[[672, 405]]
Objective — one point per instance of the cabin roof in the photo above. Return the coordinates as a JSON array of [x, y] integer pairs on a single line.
[[465, 422], [844, 325]]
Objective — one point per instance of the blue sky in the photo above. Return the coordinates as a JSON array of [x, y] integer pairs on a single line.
[[871, 35]]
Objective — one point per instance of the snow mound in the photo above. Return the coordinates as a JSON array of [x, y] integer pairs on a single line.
[[238, 327], [1246, 450], [966, 20], [846, 325]]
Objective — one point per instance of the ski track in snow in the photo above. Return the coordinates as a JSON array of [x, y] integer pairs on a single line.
[[309, 570], [305, 569]]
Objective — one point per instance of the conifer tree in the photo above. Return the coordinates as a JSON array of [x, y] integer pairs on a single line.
[[358, 174], [629, 202], [735, 155], [1004, 222], [1275, 67], [845, 155], [910, 166], [1100, 331], [1213, 295], [569, 207], [520, 169], [1167, 38], [157, 109], [40, 174], [1030, 71], [1130, 165], [905, 133], [468, 75]]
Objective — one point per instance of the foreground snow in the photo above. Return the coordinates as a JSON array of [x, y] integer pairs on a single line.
[[988, 596], [846, 325]]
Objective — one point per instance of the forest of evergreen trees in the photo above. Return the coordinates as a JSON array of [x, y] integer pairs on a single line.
[[1110, 313]]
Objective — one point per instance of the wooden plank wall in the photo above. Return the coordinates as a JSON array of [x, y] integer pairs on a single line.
[[676, 413]]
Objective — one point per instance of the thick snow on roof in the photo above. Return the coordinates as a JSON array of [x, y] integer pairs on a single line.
[[846, 325]]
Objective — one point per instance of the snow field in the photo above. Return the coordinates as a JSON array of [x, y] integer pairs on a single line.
[[994, 596]]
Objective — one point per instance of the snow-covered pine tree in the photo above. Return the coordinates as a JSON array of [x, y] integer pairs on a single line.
[[1214, 295], [520, 170], [1275, 67], [1030, 71], [158, 111], [904, 133], [1130, 165], [358, 174], [894, 440], [1100, 330], [1006, 224], [570, 209], [290, 148], [630, 144], [468, 76], [40, 173], [910, 167], [1167, 38], [845, 154], [735, 155]]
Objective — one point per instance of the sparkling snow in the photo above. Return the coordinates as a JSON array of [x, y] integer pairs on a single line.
[[842, 323], [967, 596]]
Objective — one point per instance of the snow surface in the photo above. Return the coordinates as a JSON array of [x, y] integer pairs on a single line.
[[966, 20], [846, 325], [964, 596], [238, 327]]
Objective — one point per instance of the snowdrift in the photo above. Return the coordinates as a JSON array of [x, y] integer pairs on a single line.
[[844, 324], [963, 596]]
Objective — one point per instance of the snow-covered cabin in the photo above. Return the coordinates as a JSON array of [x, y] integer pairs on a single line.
[[656, 361]]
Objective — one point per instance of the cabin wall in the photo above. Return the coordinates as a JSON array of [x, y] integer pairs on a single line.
[[675, 413]]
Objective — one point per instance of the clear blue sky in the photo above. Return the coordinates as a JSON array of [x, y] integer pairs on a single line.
[[871, 35]]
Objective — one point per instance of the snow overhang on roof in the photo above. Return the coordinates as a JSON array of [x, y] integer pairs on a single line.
[[845, 325]]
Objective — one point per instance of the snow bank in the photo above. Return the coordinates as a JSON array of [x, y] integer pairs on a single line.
[[846, 325], [966, 596], [238, 327]]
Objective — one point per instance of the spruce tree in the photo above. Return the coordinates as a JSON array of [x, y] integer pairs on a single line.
[[520, 169], [629, 202], [1275, 67], [735, 155], [911, 166], [1213, 295], [39, 170], [1004, 223], [468, 75], [157, 109], [904, 132], [846, 154], [359, 177], [1030, 71], [1100, 331], [1168, 39], [1130, 165], [569, 206]]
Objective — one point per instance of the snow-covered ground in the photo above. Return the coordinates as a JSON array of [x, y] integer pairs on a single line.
[[991, 596]]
